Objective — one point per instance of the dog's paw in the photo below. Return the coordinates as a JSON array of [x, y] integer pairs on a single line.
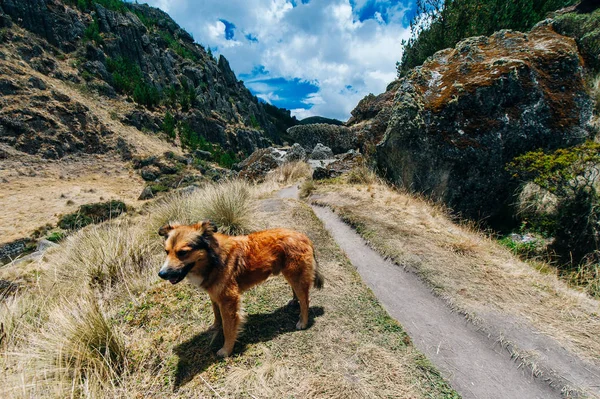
[[300, 325], [223, 352]]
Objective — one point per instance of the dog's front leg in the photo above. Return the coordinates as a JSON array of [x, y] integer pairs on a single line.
[[217, 323], [229, 309]]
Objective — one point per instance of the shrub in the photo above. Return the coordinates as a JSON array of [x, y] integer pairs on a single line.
[[128, 79], [92, 33], [168, 125], [92, 213], [570, 175]]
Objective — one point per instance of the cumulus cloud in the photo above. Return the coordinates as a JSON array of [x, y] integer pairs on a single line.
[[345, 49]]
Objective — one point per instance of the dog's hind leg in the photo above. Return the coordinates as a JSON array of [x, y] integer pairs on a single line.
[[229, 309], [300, 288]]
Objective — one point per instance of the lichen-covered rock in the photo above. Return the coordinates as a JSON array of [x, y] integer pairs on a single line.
[[259, 163], [321, 152], [459, 119], [295, 153], [343, 164], [339, 138]]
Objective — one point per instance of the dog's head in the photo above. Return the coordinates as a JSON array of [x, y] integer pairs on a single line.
[[187, 247]]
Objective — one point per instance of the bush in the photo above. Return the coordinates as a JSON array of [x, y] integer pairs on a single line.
[[92, 213], [128, 79], [570, 175], [92, 33], [168, 125]]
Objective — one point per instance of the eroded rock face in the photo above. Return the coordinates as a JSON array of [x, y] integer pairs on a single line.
[[339, 138], [455, 122], [321, 152]]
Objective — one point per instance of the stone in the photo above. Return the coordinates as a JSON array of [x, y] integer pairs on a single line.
[[321, 152], [146, 194], [295, 153], [204, 155], [259, 163], [149, 173]]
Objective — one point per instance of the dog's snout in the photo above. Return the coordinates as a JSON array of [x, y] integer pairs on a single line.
[[163, 273]]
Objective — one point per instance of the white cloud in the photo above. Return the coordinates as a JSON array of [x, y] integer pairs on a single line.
[[321, 41]]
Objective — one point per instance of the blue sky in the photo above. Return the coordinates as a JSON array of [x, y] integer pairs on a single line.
[[314, 57]]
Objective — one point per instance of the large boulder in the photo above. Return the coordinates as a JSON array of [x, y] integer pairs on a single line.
[[339, 138], [257, 165], [459, 119], [321, 152], [295, 153]]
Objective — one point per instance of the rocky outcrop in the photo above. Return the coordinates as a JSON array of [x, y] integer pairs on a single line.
[[295, 153], [339, 138], [36, 120], [455, 122], [321, 152], [127, 49], [257, 165]]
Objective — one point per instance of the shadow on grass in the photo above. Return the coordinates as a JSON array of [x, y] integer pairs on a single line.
[[199, 352]]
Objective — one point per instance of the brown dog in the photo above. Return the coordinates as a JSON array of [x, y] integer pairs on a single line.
[[225, 266]]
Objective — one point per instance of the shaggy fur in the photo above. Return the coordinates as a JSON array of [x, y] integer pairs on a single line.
[[226, 266]]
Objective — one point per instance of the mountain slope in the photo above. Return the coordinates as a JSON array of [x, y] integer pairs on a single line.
[[86, 87]]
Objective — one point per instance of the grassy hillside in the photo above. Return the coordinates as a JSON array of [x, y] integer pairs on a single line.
[[109, 328]]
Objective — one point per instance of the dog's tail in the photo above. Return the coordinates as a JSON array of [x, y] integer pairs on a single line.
[[319, 281]]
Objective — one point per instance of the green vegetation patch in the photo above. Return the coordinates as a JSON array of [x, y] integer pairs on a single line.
[[128, 79], [92, 213]]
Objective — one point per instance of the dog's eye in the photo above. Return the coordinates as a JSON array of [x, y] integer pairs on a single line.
[[182, 253]]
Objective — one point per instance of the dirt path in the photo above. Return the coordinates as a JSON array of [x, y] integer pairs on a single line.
[[475, 366]]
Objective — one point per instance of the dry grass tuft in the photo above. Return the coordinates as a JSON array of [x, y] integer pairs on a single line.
[[362, 175], [290, 172], [306, 188], [230, 205], [102, 256], [535, 200], [80, 343]]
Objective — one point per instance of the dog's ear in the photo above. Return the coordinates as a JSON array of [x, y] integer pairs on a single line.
[[165, 230], [207, 227]]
